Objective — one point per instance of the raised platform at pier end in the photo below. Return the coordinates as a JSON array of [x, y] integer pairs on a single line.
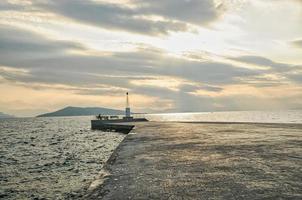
[[204, 161]]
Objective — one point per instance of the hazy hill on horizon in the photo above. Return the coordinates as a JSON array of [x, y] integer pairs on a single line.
[[80, 111], [4, 115]]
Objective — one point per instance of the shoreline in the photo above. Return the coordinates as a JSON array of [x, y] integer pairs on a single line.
[[100, 178]]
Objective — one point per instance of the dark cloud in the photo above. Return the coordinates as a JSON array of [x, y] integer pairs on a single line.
[[212, 88], [263, 81], [291, 72], [297, 77], [135, 63], [15, 42], [111, 16], [262, 61], [176, 15], [297, 43], [4, 5], [198, 12]]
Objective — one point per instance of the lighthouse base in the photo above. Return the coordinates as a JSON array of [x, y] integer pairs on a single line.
[[113, 124]]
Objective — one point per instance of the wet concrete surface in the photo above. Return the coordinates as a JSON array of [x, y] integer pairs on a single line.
[[205, 161]]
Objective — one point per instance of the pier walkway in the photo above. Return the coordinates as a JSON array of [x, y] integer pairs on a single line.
[[205, 161]]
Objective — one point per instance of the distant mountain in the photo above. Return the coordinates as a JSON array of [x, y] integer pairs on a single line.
[[78, 111], [3, 115]]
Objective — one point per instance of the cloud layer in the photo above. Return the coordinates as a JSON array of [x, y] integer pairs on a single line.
[[32, 59], [170, 15]]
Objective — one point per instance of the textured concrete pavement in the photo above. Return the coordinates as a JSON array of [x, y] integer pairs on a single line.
[[205, 161]]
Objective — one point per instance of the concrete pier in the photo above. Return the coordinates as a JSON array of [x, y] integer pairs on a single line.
[[204, 161]]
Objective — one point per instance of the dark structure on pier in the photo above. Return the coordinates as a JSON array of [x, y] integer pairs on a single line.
[[114, 123]]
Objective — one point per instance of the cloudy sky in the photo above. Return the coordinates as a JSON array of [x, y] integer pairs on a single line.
[[171, 55]]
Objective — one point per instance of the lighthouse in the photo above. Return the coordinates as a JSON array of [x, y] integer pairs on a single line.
[[127, 110], [113, 124]]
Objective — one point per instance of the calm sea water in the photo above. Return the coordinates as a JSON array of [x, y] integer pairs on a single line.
[[56, 158], [51, 158], [289, 116]]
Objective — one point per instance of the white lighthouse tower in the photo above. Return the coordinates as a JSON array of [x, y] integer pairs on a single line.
[[127, 110]]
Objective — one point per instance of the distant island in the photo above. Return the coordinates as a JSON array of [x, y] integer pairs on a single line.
[[78, 111], [4, 116]]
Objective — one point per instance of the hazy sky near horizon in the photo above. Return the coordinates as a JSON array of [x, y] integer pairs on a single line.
[[171, 55]]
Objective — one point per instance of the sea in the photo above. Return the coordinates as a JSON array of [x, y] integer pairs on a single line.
[[58, 157], [288, 116]]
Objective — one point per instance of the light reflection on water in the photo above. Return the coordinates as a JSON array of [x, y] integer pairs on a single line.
[[290, 116]]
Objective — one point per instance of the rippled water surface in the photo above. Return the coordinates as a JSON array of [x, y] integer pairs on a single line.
[[57, 158], [289, 116], [51, 158]]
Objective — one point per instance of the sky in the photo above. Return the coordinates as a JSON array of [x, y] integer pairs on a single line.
[[170, 55]]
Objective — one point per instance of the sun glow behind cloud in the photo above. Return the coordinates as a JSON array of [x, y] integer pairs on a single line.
[[208, 54]]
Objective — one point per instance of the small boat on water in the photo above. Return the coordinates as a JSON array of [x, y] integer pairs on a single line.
[[113, 123]]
